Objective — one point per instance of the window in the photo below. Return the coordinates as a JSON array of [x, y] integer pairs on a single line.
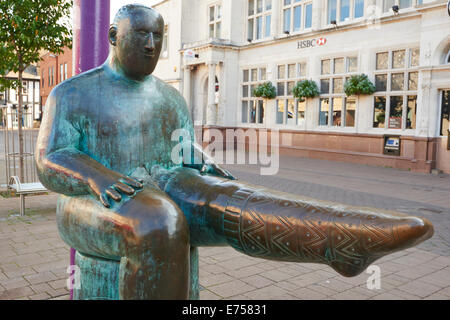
[[297, 15], [344, 10], [259, 19], [165, 45], [215, 20], [402, 4], [396, 82], [49, 76], [335, 108], [61, 72], [290, 110], [24, 87], [253, 108], [65, 71], [43, 80], [445, 113]]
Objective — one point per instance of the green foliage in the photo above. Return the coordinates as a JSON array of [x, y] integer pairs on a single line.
[[306, 89], [26, 28], [359, 84], [265, 90]]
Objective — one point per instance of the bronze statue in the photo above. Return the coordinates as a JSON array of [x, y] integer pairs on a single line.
[[105, 145]]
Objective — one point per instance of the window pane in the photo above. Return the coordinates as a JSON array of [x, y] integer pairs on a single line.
[[211, 13], [297, 18], [252, 106], [412, 81], [404, 4], [397, 81], [291, 112], [291, 71], [352, 64], [345, 10], [308, 16], [244, 111], [301, 107], [267, 28], [379, 112], [359, 8], [287, 20], [388, 5], [337, 111], [259, 29], [219, 11], [263, 73], [332, 10], [250, 30], [339, 65], [325, 86], [251, 7], [350, 112], [280, 88], [325, 69], [254, 74], [398, 59], [268, 5], [218, 26], [395, 112], [280, 112], [338, 85], [415, 56], [281, 71], [382, 60], [290, 86], [261, 111], [211, 30], [323, 111], [287, 2], [411, 112], [303, 69], [245, 91], [245, 76], [259, 6], [381, 82]]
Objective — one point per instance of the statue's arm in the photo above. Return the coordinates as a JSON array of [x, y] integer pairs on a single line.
[[62, 166]]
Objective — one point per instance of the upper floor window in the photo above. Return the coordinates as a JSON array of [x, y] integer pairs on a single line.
[[165, 46], [215, 20], [259, 19], [297, 15], [343, 10], [402, 4]]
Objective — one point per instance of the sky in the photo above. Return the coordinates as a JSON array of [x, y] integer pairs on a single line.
[[117, 4]]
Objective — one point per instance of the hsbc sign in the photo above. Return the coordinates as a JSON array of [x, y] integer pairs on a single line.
[[311, 43]]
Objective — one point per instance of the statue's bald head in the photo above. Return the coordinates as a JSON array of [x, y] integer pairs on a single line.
[[136, 37]]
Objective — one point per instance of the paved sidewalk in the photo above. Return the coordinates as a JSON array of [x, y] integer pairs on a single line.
[[33, 259]]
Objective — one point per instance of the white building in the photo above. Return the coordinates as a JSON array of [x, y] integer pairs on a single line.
[[402, 45], [9, 100]]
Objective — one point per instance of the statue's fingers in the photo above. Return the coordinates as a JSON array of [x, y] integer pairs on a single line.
[[113, 194], [132, 182], [122, 187], [104, 200]]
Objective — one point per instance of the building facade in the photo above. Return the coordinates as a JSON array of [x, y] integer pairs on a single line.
[[55, 68], [9, 100], [218, 52]]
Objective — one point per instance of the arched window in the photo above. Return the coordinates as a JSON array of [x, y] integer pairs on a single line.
[[447, 59]]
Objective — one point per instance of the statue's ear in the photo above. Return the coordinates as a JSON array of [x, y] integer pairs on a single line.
[[112, 35]]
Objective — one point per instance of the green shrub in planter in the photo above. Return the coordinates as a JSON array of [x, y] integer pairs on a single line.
[[265, 90], [306, 89], [359, 84]]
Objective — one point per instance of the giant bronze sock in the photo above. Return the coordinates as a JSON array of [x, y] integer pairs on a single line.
[[269, 224]]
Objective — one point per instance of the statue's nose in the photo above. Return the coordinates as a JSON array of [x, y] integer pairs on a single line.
[[150, 45]]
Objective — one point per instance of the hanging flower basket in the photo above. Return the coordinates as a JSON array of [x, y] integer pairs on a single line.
[[358, 85], [265, 90], [305, 89]]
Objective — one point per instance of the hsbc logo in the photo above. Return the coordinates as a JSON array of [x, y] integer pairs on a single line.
[[311, 43]]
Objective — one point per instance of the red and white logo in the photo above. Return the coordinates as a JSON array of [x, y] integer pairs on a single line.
[[321, 41]]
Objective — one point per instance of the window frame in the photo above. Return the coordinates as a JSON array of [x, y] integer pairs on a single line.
[[263, 14], [250, 98], [291, 7], [351, 16], [386, 9], [215, 21]]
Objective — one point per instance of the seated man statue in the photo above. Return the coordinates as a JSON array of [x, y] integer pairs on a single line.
[[105, 145]]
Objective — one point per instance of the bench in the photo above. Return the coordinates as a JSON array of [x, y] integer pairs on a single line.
[[25, 188]]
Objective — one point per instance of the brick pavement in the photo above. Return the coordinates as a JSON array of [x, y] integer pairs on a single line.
[[33, 259]]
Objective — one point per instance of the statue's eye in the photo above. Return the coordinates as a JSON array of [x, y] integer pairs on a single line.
[[157, 36]]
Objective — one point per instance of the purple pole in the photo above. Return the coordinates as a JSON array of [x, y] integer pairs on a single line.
[[90, 44]]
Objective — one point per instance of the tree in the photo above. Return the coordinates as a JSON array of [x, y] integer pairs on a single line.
[[26, 28]]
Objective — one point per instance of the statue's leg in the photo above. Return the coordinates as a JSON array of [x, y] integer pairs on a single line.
[[148, 235], [280, 226]]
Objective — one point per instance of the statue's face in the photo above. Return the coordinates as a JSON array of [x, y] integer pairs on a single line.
[[138, 40]]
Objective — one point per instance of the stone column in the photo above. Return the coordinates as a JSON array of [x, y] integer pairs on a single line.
[[275, 19], [211, 110]]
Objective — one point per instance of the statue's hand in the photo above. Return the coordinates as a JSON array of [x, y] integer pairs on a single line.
[[211, 167], [113, 186]]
